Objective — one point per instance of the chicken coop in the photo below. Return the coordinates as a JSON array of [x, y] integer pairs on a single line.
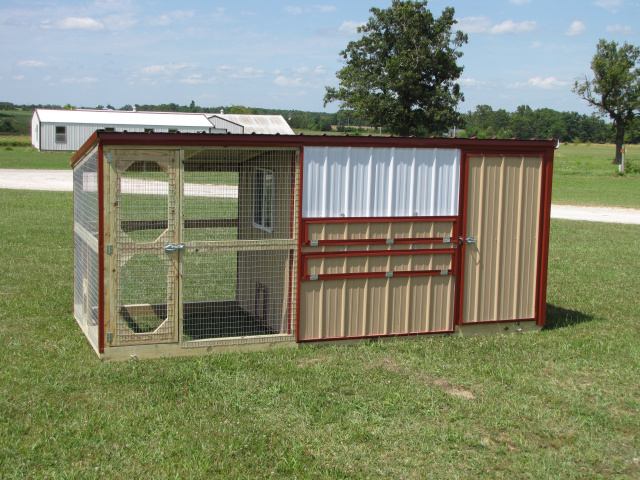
[[194, 243]]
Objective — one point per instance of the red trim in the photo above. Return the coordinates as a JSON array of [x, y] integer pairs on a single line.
[[304, 237], [543, 239], [462, 213], [82, 151], [300, 235], [500, 321], [101, 249], [266, 141], [356, 337], [382, 253], [399, 273]]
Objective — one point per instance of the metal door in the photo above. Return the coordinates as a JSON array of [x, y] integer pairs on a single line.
[[500, 238]]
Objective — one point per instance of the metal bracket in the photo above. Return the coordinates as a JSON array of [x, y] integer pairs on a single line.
[[109, 249], [313, 277], [173, 247], [109, 157], [314, 243], [390, 241], [446, 240], [389, 274], [444, 272]]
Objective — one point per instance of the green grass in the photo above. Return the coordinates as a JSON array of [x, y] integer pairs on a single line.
[[563, 403], [29, 157], [585, 175]]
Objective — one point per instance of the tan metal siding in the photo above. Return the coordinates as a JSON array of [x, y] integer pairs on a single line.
[[376, 306], [379, 230], [503, 217]]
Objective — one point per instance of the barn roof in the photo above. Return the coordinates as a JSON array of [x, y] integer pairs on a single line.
[[264, 124], [117, 117]]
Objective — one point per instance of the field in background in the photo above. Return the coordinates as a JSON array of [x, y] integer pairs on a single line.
[[562, 403]]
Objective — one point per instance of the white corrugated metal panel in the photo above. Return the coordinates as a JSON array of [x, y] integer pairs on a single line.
[[265, 124], [380, 182], [117, 117], [219, 122]]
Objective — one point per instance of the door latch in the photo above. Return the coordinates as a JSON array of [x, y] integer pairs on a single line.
[[173, 247], [470, 240]]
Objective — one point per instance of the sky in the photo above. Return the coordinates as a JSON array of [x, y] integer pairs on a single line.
[[282, 54]]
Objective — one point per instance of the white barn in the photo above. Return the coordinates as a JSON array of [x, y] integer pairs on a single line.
[[68, 130]]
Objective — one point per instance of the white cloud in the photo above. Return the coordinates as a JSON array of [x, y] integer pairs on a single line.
[[196, 78], [474, 24], [80, 81], [248, 72], [18, 77], [319, 70], [544, 83], [169, 69], [349, 27], [612, 5], [120, 22], [288, 82], [619, 29], [509, 26], [325, 8], [293, 10], [519, 2], [168, 18], [537, 44], [31, 63], [576, 28], [485, 25], [74, 23]]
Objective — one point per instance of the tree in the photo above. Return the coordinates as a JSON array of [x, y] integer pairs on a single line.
[[615, 88], [402, 73]]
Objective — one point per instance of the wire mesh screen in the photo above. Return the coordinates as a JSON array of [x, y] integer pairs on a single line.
[[85, 185], [146, 279], [238, 267]]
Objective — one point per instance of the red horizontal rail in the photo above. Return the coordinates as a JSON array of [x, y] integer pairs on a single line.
[[400, 273]]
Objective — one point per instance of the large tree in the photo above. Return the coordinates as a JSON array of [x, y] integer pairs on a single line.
[[615, 87], [401, 74]]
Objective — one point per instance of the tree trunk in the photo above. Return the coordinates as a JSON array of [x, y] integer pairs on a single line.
[[619, 142]]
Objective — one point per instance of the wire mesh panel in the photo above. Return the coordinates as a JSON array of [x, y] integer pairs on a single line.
[[239, 229], [85, 185], [145, 224]]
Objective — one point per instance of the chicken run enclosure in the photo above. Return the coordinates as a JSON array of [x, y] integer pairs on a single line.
[[194, 243]]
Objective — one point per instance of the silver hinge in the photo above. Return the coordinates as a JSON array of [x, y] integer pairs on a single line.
[[109, 157], [109, 249], [390, 241], [313, 277], [109, 337], [389, 274], [314, 243]]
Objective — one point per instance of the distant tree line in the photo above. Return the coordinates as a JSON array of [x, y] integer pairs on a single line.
[[543, 123], [483, 122]]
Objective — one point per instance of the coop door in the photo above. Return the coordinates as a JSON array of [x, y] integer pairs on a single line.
[[501, 238], [147, 248]]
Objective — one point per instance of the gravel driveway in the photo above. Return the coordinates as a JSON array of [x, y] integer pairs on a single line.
[[62, 181]]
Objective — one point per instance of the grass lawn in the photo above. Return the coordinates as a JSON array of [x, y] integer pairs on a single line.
[[563, 403], [29, 157]]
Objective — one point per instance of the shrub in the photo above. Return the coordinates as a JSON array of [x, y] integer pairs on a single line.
[[631, 167]]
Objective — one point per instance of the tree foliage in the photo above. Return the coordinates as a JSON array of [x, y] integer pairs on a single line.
[[615, 87], [401, 74]]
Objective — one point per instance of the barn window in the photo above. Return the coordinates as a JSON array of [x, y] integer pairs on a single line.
[[263, 193], [61, 134]]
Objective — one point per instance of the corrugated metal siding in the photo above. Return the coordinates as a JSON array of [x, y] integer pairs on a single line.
[[77, 134], [261, 124], [503, 215], [375, 306], [380, 182]]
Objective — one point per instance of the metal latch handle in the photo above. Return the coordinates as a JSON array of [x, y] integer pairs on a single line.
[[173, 247], [470, 240]]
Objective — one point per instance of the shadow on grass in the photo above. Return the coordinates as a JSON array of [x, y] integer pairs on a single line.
[[558, 317]]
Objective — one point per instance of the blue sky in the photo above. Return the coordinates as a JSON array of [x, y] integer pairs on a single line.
[[281, 54]]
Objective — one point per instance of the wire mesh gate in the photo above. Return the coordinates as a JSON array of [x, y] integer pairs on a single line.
[[205, 245]]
